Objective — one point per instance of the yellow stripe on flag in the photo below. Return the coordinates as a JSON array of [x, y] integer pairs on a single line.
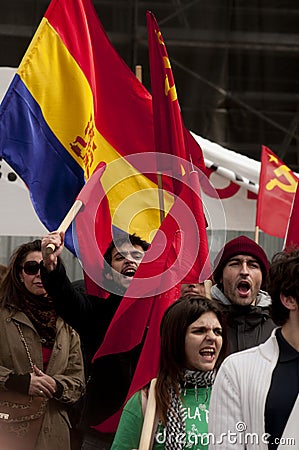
[[69, 113]]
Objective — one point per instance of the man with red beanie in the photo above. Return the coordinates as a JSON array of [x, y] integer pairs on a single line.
[[240, 269]]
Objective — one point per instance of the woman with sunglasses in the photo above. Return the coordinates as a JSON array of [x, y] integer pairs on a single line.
[[193, 342], [40, 354]]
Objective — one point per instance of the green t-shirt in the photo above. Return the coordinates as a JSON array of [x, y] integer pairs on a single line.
[[197, 416]]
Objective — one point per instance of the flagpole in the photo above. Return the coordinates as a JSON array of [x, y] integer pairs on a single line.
[[149, 418], [256, 234], [66, 222], [161, 197], [138, 72], [208, 285]]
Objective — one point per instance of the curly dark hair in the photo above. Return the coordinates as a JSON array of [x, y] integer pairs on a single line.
[[118, 242], [174, 325], [283, 278]]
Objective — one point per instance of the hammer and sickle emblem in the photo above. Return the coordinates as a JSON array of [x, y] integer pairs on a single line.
[[160, 37], [170, 90], [287, 187]]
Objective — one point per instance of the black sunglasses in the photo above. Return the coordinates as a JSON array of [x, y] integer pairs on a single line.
[[31, 267]]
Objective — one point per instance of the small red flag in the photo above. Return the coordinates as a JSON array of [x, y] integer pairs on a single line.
[[94, 232], [276, 193]]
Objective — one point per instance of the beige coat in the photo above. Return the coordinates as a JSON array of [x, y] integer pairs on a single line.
[[65, 366]]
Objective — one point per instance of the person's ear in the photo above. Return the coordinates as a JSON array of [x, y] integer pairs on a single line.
[[108, 276], [288, 302]]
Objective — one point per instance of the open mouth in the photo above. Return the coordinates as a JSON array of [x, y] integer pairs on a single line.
[[129, 272], [244, 287], [207, 353]]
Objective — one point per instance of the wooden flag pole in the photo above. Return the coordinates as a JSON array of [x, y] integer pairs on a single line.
[[161, 197], [138, 72], [149, 418], [256, 234], [208, 285], [66, 222]]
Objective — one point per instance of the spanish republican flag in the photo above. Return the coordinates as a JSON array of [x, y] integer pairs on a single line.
[[73, 104], [277, 188]]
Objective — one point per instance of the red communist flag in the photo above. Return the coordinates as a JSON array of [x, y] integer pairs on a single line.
[[276, 192], [190, 260], [178, 252], [139, 319], [171, 136]]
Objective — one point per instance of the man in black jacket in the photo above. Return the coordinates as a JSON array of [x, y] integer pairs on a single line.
[[109, 377], [240, 270]]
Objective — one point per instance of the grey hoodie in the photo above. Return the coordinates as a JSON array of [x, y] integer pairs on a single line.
[[263, 298]]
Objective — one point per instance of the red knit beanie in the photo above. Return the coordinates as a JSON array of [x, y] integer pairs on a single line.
[[241, 245]]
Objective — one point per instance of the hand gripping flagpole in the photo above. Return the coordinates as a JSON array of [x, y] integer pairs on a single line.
[[83, 198], [66, 222]]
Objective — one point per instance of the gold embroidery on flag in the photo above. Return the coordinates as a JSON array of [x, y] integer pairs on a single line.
[[283, 171]]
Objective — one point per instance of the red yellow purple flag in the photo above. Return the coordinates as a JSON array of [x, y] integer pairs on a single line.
[[72, 104], [277, 188]]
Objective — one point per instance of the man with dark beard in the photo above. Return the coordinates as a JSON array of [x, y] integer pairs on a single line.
[[240, 270]]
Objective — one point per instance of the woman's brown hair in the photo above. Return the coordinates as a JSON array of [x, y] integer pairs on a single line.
[[174, 325], [11, 288]]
